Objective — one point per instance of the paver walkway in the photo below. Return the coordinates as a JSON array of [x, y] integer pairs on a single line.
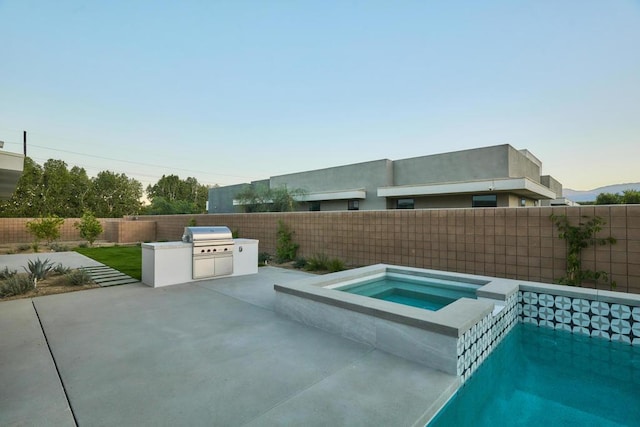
[[107, 276]]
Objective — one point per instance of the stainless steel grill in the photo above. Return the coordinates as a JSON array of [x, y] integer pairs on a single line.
[[212, 250]]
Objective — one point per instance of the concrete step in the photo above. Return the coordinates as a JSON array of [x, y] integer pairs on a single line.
[[106, 276]]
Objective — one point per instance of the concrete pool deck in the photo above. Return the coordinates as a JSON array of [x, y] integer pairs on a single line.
[[207, 353]]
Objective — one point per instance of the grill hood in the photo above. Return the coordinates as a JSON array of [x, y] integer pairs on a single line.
[[206, 234]]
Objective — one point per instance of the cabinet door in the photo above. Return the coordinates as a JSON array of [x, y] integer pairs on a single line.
[[224, 265], [203, 267]]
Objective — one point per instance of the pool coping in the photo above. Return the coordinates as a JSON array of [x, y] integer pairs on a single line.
[[452, 320]]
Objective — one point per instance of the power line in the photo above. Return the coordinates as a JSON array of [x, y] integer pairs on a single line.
[[130, 162]]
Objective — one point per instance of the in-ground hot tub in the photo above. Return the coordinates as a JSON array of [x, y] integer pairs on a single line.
[[419, 289], [454, 338]]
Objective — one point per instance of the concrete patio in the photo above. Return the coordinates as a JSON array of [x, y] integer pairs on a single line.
[[206, 353]]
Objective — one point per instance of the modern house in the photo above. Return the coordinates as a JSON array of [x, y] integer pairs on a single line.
[[11, 166], [496, 176]]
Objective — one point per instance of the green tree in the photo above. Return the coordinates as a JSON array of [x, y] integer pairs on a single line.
[[162, 206], [608, 199], [45, 229], [114, 195], [89, 227], [171, 194], [261, 198], [79, 188], [631, 197]]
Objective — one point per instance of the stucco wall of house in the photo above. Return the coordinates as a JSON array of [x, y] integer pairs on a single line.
[[521, 166], [368, 175], [466, 165], [551, 183]]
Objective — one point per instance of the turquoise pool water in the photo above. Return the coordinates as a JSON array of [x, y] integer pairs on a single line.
[[417, 291], [542, 377]]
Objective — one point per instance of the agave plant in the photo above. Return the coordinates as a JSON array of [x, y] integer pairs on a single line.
[[61, 269], [38, 270], [6, 273]]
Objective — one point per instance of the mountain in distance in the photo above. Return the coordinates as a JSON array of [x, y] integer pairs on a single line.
[[590, 195]]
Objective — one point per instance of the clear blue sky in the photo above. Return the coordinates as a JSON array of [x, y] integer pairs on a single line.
[[230, 91]]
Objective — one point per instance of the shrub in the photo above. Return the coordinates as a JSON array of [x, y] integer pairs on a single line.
[[78, 278], [58, 247], [300, 263], [321, 262], [285, 248], [24, 247], [38, 270], [61, 269], [579, 237], [18, 284], [6, 273], [192, 222], [264, 258], [45, 229], [90, 228], [334, 265]]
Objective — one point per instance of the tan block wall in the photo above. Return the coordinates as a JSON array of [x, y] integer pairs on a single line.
[[516, 243]]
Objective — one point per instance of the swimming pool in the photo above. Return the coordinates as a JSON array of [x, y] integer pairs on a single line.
[[422, 291], [540, 376]]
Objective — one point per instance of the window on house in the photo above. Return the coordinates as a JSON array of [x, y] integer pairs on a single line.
[[404, 204], [353, 205], [314, 206], [485, 201]]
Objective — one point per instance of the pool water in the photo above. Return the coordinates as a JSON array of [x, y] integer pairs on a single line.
[[539, 376], [416, 291]]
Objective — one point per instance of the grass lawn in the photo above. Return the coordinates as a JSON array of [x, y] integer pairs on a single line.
[[126, 259]]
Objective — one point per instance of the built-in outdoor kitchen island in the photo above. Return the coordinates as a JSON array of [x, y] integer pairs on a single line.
[[204, 253]]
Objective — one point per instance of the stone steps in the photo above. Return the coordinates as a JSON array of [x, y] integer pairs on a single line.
[[107, 276]]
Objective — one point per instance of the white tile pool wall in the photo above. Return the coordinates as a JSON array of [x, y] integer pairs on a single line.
[[585, 314], [475, 345]]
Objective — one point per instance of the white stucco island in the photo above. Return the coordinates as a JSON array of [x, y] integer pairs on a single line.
[[171, 263]]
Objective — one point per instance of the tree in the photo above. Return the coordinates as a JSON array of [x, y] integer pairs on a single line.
[[631, 197], [162, 206], [174, 195], [79, 187], [45, 229], [114, 195], [89, 227], [260, 198], [608, 199]]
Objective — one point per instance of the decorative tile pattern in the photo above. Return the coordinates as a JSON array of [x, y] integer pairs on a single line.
[[614, 322], [475, 345]]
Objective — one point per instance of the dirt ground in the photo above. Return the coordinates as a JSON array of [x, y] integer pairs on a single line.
[[54, 284], [26, 248]]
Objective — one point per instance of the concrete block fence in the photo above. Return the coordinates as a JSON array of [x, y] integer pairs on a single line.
[[515, 243]]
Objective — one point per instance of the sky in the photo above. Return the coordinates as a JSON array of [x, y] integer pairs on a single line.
[[235, 91]]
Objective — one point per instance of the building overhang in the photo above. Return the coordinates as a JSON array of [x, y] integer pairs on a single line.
[[359, 193], [519, 186], [11, 167], [318, 196]]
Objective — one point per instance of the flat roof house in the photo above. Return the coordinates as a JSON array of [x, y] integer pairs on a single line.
[[497, 176], [11, 166]]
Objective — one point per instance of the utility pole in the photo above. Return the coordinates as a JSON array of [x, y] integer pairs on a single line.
[[24, 142]]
